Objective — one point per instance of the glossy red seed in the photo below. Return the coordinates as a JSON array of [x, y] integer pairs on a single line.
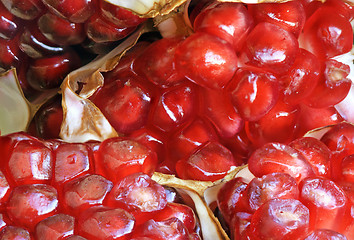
[[83, 192], [348, 168], [316, 153], [5, 189], [210, 162], [270, 186], [9, 24], [270, 47], [218, 108], [340, 138], [325, 234], [161, 230], [105, 223], [29, 204], [229, 21], [49, 72], [121, 157], [74, 237], [71, 160], [100, 30], [215, 58], [277, 157], [138, 192], [31, 162], [301, 78], [326, 201], [55, 227], [10, 53], [175, 106], [327, 34], [126, 107], [228, 198], [278, 125], [157, 62], [14, 233], [280, 219], [343, 7], [120, 16], [27, 10], [289, 15], [78, 11], [251, 102], [240, 223], [61, 31]]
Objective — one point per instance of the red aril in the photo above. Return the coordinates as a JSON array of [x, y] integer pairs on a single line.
[[332, 87], [277, 157], [105, 223], [9, 24], [289, 15], [218, 108], [157, 63], [77, 12], [229, 21], [302, 77], [61, 31], [125, 106], [14, 233], [121, 157], [175, 106], [210, 162], [277, 125], [340, 138], [5, 190], [229, 196], [188, 138], [71, 160], [31, 162], [27, 10], [324, 234], [84, 192], [270, 47], [55, 227], [29, 204], [280, 219], [347, 168], [316, 153], [270, 186], [251, 102], [206, 60], [327, 34], [10, 53], [240, 223], [327, 203], [345, 8]]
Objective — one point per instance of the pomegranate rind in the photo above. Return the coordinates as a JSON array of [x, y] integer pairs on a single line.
[[82, 120], [15, 110]]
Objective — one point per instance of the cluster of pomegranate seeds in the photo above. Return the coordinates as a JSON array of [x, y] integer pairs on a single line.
[[301, 190], [50, 189], [43, 39], [248, 75]]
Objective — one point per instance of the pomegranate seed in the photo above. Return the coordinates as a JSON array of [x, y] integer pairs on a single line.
[[15, 233], [210, 162], [160, 230], [327, 34], [240, 222], [105, 223], [326, 201], [157, 63], [121, 157], [29, 204], [348, 168], [84, 192], [27, 10], [71, 160], [345, 8], [229, 21], [289, 15], [175, 106], [5, 190], [277, 157], [10, 53], [325, 234], [340, 138], [215, 58], [31, 162], [246, 96], [9, 24], [77, 12], [316, 153], [120, 16], [280, 219], [61, 31], [270, 47], [74, 237], [218, 108], [55, 227]]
